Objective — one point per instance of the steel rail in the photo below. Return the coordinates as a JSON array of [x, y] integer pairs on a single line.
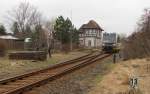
[[57, 73], [4, 81]]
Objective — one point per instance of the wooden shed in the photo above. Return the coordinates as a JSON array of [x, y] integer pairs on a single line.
[[11, 42]]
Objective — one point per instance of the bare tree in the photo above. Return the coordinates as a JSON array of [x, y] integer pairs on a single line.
[[137, 45], [50, 26], [25, 15]]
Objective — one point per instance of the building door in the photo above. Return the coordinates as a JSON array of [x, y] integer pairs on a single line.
[[89, 43]]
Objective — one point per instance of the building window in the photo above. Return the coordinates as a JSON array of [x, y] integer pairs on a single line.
[[94, 31], [89, 31]]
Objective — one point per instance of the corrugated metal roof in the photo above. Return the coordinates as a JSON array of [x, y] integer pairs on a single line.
[[8, 37]]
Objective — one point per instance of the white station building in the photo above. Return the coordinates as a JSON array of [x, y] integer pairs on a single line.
[[90, 35]]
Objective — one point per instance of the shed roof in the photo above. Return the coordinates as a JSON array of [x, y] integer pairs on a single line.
[[8, 37]]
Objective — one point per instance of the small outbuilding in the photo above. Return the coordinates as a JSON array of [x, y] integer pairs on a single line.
[[11, 42]]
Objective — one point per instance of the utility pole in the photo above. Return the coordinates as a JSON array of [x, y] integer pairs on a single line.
[[71, 33]]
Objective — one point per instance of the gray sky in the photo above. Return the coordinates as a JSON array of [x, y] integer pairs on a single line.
[[112, 15]]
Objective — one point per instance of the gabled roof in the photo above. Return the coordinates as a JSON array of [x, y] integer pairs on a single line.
[[91, 25]]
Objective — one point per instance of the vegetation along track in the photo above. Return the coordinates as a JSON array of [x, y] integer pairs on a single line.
[[25, 82]]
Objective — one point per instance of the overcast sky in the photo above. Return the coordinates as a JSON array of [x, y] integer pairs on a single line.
[[112, 15]]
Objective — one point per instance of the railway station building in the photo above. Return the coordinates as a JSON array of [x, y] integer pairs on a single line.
[[90, 35]]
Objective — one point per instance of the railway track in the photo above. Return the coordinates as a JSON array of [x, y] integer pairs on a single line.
[[25, 82]]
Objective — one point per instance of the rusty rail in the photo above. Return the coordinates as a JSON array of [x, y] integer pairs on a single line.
[[4, 81], [41, 77]]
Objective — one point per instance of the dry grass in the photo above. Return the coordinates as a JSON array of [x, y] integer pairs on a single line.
[[117, 81], [13, 67], [111, 83]]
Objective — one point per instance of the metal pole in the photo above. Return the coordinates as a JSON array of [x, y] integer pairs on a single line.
[[71, 34]]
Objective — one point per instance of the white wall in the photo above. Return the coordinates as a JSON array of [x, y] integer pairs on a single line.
[[81, 41], [87, 39], [95, 42], [98, 42]]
